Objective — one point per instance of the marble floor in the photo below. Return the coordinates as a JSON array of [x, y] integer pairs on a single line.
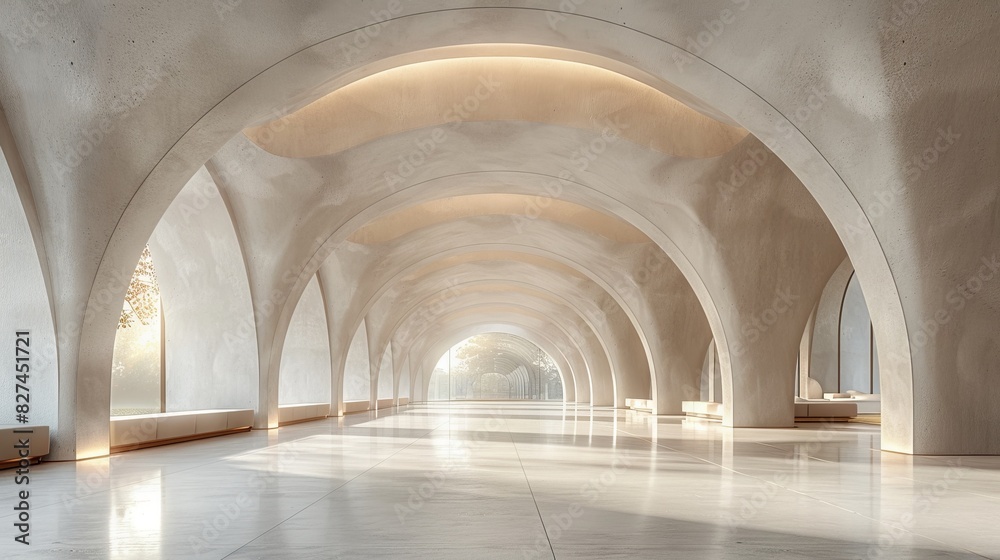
[[514, 480]]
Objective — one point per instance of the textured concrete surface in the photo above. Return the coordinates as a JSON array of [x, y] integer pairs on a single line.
[[866, 138]]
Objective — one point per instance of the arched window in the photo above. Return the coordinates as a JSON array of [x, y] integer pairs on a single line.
[[858, 356], [137, 370], [495, 366]]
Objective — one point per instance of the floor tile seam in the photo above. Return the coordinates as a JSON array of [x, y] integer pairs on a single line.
[[326, 495], [894, 477], [527, 481], [803, 494], [161, 476]]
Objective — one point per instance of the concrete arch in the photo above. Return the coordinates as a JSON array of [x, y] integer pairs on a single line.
[[522, 351], [378, 287], [413, 321], [562, 351], [531, 326], [666, 317], [603, 352], [598, 365], [594, 309], [305, 362], [209, 328], [761, 360], [825, 347], [357, 360], [706, 82], [613, 267]]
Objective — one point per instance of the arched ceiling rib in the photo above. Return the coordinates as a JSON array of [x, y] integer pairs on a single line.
[[522, 209], [495, 88]]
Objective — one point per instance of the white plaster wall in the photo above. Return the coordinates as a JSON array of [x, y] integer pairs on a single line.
[[404, 379], [357, 375], [855, 341], [211, 347], [385, 375], [24, 305], [305, 357]]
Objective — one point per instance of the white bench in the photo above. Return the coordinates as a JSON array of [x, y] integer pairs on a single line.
[[302, 412], [147, 430], [38, 443], [867, 403], [645, 405], [384, 403], [702, 409], [356, 406], [815, 409], [403, 401], [805, 410]]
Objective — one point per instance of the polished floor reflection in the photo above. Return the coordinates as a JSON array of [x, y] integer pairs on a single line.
[[514, 480]]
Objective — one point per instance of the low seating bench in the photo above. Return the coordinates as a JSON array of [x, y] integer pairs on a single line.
[[356, 406], [147, 430], [815, 410], [867, 403], [811, 410], [645, 405], [302, 412], [702, 409]]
